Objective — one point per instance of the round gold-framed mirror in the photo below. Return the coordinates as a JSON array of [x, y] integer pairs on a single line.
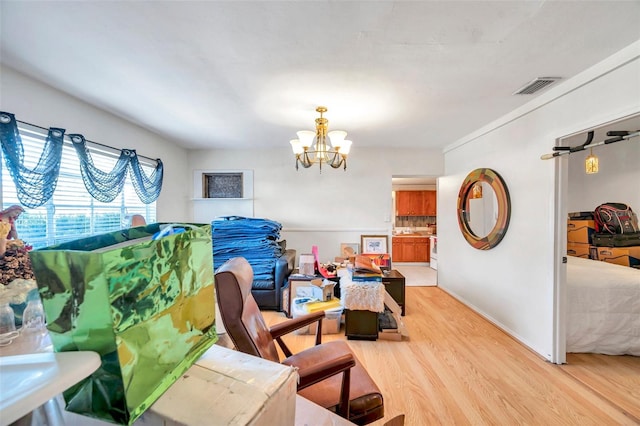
[[484, 208]]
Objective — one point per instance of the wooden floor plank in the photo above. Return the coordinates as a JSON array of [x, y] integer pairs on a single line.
[[459, 369], [616, 378]]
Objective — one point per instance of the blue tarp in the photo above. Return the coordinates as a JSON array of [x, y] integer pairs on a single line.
[[254, 239]]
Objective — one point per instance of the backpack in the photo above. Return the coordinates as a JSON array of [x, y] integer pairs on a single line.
[[615, 218]]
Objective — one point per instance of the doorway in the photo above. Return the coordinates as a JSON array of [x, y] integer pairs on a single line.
[[610, 376], [419, 226]]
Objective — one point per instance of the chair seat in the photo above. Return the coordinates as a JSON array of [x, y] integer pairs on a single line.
[[366, 398], [264, 284]]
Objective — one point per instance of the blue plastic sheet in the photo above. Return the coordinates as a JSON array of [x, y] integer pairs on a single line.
[[252, 238]]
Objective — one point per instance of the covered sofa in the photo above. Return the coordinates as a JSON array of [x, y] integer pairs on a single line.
[[258, 241]]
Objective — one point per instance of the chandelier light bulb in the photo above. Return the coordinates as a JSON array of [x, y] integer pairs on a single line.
[[296, 146], [337, 138], [306, 138], [345, 147]]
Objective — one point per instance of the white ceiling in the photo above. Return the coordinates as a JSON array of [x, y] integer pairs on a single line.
[[245, 73]]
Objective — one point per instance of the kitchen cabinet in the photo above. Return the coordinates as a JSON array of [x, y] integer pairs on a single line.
[[409, 203], [430, 203], [415, 203], [396, 250], [410, 249]]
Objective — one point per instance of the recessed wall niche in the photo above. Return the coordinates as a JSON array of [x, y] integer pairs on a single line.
[[216, 184], [219, 193], [222, 185]]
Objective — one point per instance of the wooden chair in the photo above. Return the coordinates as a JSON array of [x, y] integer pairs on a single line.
[[330, 374]]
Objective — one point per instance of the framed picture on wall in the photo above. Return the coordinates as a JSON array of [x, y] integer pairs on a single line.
[[374, 244]]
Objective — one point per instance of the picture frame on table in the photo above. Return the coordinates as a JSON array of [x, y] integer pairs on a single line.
[[374, 244], [349, 249]]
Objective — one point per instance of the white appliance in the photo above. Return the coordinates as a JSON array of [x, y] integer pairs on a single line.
[[433, 252]]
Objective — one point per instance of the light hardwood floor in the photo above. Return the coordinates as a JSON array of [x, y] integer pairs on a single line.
[[456, 368], [616, 378]]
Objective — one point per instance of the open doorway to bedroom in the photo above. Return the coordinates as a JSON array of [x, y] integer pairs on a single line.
[[596, 299]]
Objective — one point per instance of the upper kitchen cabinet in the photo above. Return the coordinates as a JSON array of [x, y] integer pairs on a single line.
[[430, 203], [409, 203], [415, 203]]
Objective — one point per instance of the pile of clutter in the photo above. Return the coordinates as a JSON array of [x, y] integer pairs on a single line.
[[17, 281]]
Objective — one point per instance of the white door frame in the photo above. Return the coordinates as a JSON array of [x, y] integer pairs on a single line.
[[560, 201], [561, 170]]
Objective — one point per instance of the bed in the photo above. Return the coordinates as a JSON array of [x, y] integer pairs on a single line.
[[603, 302]]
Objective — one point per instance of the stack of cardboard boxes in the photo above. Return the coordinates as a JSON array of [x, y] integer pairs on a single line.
[[580, 232], [625, 256], [579, 237]]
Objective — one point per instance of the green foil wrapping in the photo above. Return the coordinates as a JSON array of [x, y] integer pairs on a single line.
[[146, 306]]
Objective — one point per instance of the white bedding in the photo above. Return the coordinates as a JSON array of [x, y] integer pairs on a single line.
[[603, 307]]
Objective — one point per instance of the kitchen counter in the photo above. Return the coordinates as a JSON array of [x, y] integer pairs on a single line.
[[413, 235]]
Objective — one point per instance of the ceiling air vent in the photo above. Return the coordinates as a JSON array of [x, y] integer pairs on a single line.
[[536, 85]]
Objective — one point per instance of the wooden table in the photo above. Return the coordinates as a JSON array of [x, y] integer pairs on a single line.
[[362, 324]]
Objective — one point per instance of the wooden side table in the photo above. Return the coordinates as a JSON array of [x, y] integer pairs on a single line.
[[360, 324], [363, 325]]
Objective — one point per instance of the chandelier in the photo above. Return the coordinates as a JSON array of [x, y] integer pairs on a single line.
[[307, 153]]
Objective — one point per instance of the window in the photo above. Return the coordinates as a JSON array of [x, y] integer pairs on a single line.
[[71, 213]]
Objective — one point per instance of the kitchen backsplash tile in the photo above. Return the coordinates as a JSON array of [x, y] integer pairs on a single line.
[[414, 221]]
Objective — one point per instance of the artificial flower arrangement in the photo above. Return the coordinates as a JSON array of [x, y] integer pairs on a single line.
[[17, 280]]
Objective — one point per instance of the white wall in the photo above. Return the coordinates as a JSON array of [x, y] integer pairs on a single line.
[[329, 208], [315, 209], [616, 181], [513, 284], [42, 105]]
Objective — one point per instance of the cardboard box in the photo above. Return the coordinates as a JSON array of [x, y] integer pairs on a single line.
[[625, 256], [228, 387], [394, 336], [580, 231], [579, 250], [319, 289], [310, 413], [300, 286], [330, 323], [294, 287]]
